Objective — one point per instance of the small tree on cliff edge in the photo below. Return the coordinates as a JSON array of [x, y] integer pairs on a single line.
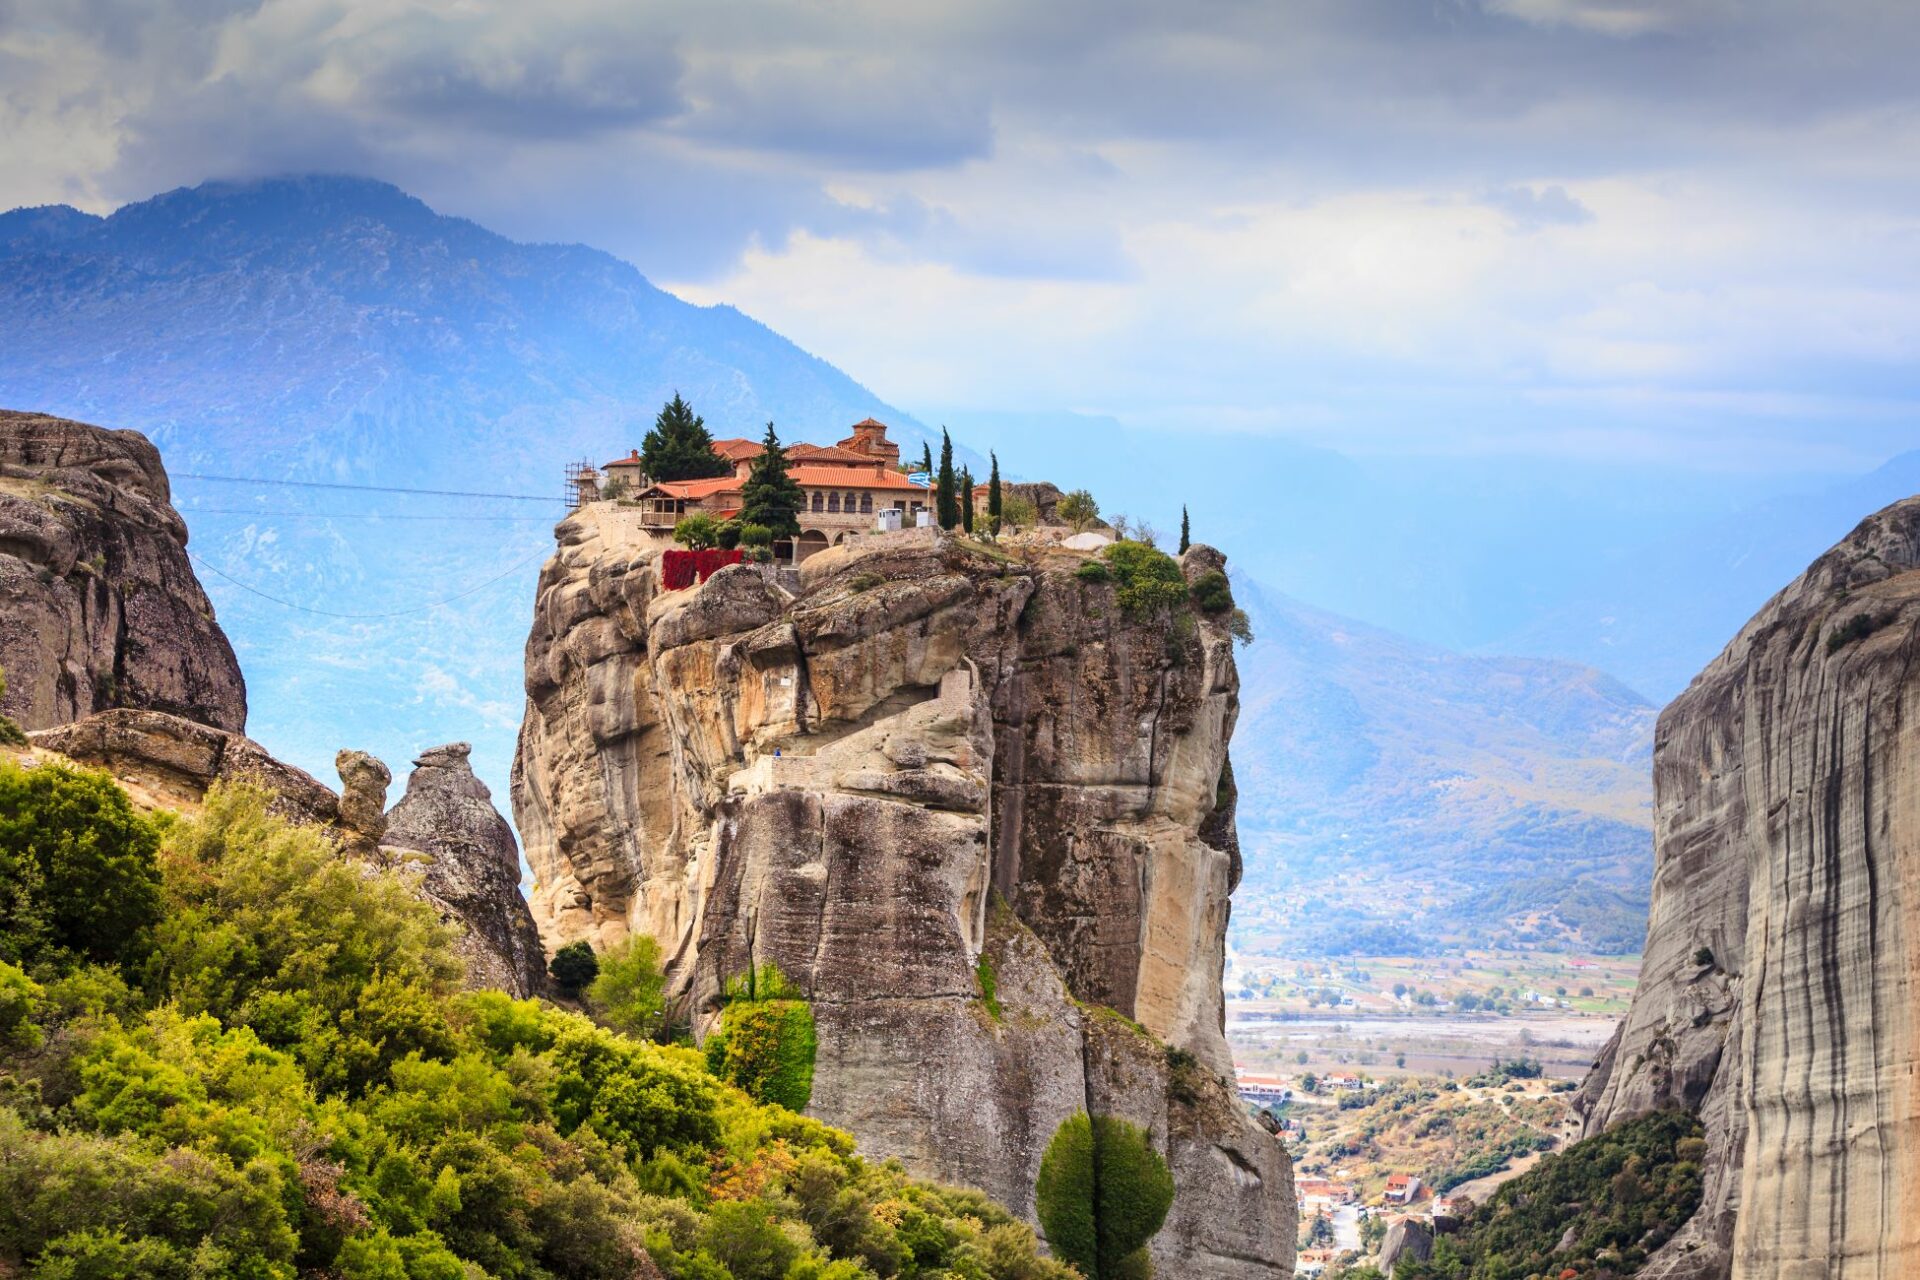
[[965, 497], [1186, 531], [771, 497], [678, 447], [995, 502], [946, 510]]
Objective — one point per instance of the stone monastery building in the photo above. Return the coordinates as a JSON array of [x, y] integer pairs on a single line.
[[850, 486]]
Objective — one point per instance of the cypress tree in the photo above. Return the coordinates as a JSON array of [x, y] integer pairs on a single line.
[[678, 447], [966, 498], [772, 498], [946, 510], [926, 458], [993, 495], [1186, 532]]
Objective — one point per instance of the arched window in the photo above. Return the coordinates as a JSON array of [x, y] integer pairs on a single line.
[[819, 500], [833, 503], [866, 504], [853, 504]]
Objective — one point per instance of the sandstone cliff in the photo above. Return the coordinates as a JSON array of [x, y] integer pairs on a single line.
[[931, 768], [1776, 994], [99, 606], [472, 870]]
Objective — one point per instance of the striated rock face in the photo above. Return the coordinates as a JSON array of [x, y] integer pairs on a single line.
[[472, 869], [1776, 995], [99, 606], [170, 760], [1408, 1239], [931, 767]]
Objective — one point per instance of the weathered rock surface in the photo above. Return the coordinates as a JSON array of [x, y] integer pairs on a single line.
[[928, 758], [99, 607], [1776, 995], [363, 800], [1406, 1239], [472, 869], [172, 760]]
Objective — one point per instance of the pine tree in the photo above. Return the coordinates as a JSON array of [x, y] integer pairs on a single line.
[[1186, 531], [994, 500], [678, 447], [966, 498], [771, 498], [946, 510]]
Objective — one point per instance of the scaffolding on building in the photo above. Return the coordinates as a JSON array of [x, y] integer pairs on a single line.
[[579, 475]]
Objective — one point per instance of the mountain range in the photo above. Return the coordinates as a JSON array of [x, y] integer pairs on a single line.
[[337, 332]]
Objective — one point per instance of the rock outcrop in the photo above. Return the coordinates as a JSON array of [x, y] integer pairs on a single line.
[[1776, 994], [1407, 1240], [472, 869], [170, 761], [99, 607], [933, 769]]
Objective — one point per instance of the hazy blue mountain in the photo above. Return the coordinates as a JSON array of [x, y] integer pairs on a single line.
[[335, 329], [1394, 794], [1657, 613]]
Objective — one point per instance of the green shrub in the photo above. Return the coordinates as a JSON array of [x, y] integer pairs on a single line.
[[697, 532], [1857, 628], [1102, 1194], [1078, 509], [755, 535], [767, 1048], [1212, 592], [78, 874], [629, 991], [574, 966], [21, 998], [864, 582], [1094, 571], [989, 985], [1150, 580], [727, 533]]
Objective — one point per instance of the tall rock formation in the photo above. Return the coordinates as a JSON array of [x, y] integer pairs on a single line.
[[1777, 996], [99, 606], [977, 814], [472, 870]]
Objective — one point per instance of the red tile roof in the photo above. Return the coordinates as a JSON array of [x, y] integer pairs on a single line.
[[631, 460], [737, 449], [833, 477], [695, 488], [828, 453], [869, 422]]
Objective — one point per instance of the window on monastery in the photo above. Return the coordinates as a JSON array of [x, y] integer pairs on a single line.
[[833, 503], [852, 503], [866, 504], [819, 500]]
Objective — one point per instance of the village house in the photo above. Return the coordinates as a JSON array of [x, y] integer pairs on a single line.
[[852, 487], [1262, 1090], [1403, 1188], [1334, 1193]]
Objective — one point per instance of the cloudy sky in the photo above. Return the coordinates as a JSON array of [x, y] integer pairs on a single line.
[[1668, 229]]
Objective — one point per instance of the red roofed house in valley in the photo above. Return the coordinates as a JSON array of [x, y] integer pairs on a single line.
[[847, 486]]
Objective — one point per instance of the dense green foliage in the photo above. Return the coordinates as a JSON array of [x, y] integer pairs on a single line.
[[989, 979], [946, 505], [629, 993], [1623, 1194], [1102, 1194], [996, 502], [574, 966], [78, 880], [1212, 592], [964, 497], [1078, 509], [1857, 628], [1186, 530], [771, 497], [1150, 579], [1094, 571], [289, 1083], [765, 1041], [697, 532], [678, 447]]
